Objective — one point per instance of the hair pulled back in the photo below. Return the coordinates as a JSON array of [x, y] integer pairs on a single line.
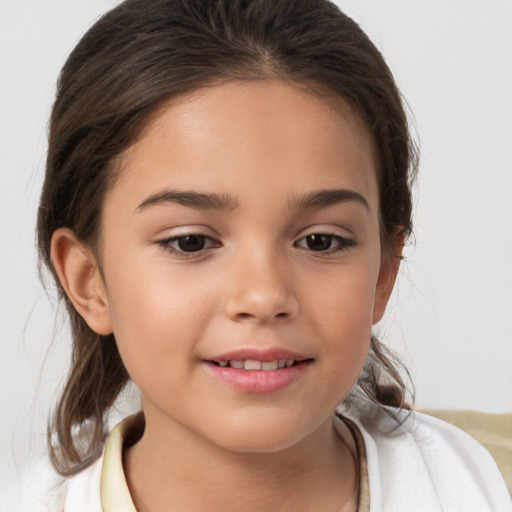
[[140, 54]]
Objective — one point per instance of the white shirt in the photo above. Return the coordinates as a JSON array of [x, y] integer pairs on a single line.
[[422, 465]]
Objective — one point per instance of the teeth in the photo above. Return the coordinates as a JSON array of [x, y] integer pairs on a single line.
[[271, 365], [254, 364]]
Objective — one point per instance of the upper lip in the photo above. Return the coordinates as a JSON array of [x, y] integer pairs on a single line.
[[263, 355]]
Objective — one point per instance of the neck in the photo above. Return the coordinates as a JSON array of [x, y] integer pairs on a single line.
[[318, 473]]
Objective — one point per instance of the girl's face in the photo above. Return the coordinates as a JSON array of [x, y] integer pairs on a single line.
[[241, 236]]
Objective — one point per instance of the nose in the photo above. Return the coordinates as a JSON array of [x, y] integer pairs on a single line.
[[261, 290]]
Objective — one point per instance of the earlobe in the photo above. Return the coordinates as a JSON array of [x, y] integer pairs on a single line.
[[390, 264], [81, 279]]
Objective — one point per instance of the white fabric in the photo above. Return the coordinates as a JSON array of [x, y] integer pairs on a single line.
[[423, 465], [427, 465], [42, 489]]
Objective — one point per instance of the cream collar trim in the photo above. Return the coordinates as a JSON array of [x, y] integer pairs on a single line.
[[115, 494]]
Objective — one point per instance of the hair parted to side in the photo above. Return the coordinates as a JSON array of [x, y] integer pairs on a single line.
[[140, 54]]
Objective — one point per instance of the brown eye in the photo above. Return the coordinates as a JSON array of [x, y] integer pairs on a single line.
[[188, 245], [191, 243], [324, 242], [319, 242]]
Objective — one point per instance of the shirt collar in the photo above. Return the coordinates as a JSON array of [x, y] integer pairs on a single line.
[[115, 494]]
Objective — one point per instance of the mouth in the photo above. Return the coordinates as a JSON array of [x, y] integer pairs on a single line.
[[257, 365], [259, 371]]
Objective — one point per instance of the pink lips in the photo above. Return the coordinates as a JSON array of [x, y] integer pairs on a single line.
[[281, 368]]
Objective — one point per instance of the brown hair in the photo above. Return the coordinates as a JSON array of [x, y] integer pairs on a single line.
[[140, 54]]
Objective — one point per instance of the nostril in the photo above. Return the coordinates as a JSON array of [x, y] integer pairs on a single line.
[[247, 316], [261, 306]]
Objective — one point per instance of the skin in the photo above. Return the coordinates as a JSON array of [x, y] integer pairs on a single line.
[[255, 284]]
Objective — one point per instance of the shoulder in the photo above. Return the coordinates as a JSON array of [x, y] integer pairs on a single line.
[[40, 488], [425, 464]]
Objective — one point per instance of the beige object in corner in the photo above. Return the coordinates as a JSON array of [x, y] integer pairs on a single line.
[[493, 431]]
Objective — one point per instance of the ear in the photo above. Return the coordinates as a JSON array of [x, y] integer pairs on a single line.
[[80, 276], [390, 263]]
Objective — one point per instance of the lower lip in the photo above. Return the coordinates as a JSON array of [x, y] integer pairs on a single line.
[[259, 381]]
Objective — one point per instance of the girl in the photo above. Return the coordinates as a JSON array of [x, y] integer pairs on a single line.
[[226, 201]]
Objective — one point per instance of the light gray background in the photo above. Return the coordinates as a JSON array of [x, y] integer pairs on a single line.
[[450, 314]]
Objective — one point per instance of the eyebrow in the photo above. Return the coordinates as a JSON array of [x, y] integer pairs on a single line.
[[324, 198], [210, 201], [198, 200]]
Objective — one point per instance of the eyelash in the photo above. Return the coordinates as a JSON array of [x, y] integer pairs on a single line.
[[342, 243], [166, 244], [206, 242]]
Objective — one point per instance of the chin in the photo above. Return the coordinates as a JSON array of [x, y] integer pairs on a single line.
[[261, 434]]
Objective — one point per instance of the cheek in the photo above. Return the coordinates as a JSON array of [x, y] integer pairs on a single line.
[[157, 319], [347, 332], [343, 302], [342, 311]]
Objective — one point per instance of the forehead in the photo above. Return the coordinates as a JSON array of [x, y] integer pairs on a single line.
[[268, 132]]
